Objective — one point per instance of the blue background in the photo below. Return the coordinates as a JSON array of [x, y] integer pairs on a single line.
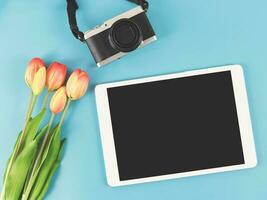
[[191, 35]]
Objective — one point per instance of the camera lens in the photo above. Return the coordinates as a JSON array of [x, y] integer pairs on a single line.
[[125, 35]]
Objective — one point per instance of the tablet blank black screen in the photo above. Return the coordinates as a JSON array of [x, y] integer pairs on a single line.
[[175, 125]]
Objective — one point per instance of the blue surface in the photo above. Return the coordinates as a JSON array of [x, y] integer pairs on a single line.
[[192, 35]]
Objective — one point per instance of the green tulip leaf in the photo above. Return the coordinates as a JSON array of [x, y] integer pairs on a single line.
[[44, 154], [32, 127], [8, 162], [48, 181], [62, 143], [41, 134], [37, 140], [55, 133], [48, 167], [55, 166], [16, 178], [7, 166]]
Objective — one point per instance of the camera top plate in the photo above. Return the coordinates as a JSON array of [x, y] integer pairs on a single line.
[[108, 24]]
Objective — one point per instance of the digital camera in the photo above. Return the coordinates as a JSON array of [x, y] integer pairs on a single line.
[[119, 36]]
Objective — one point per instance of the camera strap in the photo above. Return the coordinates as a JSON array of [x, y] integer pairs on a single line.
[[72, 6]]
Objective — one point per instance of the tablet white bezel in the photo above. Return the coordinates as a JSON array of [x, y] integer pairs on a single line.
[[242, 106]]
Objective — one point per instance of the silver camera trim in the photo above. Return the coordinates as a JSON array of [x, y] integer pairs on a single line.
[[121, 54], [107, 24]]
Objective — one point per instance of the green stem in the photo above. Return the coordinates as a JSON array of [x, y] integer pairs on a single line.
[[38, 160], [21, 137], [46, 99], [28, 116], [2, 196], [64, 113]]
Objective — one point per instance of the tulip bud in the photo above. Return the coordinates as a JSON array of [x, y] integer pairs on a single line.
[[39, 81], [34, 65], [77, 84], [56, 74], [58, 100]]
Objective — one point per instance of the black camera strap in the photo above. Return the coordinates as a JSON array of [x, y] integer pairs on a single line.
[[72, 6]]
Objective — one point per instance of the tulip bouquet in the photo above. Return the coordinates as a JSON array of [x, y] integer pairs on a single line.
[[36, 155]]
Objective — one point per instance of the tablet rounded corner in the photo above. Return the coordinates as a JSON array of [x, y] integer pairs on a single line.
[[254, 163], [239, 68], [111, 183]]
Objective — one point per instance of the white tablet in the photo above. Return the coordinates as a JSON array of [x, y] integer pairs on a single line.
[[175, 125]]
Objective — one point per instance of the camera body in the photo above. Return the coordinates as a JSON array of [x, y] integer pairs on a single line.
[[119, 36]]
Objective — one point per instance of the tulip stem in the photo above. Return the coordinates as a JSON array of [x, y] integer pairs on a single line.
[[33, 99], [38, 161], [18, 147], [64, 113], [2, 195], [46, 99]]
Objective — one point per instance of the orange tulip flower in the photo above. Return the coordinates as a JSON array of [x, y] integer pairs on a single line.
[[56, 75], [58, 100], [77, 84], [38, 83], [34, 65]]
